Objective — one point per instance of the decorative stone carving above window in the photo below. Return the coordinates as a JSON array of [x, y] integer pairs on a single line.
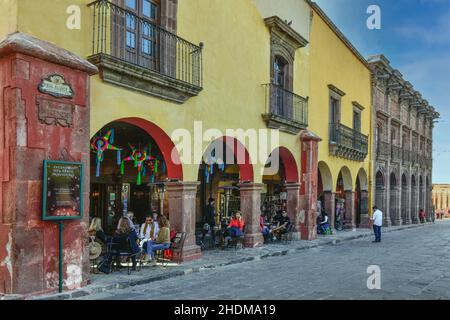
[[336, 91], [284, 37]]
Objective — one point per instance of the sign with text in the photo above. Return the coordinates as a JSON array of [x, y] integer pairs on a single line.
[[62, 190]]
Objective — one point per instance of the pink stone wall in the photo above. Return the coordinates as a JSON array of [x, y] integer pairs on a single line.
[[28, 246]]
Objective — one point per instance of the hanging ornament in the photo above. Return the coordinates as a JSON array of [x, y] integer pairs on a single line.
[[102, 143], [209, 167], [141, 158]]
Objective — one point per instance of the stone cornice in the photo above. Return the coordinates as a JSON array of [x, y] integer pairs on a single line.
[[281, 28], [357, 105], [392, 81], [336, 90], [25, 44], [316, 8]]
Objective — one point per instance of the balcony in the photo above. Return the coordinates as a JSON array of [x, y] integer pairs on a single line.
[[396, 154], [383, 151], [285, 110], [348, 143], [406, 157], [134, 53]]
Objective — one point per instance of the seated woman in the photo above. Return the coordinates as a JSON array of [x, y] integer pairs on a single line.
[[235, 227], [119, 242], [96, 230], [162, 241], [323, 226], [264, 228]]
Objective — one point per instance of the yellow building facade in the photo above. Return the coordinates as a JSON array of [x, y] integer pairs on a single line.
[[181, 79], [340, 75]]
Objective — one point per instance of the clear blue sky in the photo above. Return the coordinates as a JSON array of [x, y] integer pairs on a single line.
[[415, 37]]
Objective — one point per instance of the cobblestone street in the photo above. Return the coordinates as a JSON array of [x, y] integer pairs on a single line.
[[414, 265]]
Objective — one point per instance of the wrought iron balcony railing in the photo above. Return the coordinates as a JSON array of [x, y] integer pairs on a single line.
[[285, 110], [347, 142], [121, 35]]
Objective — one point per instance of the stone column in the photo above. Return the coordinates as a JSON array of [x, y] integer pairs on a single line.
[[329, 205], [350, 219], [251, 209], [395, 206], [182, 206], [365, 219], [308, 190], [36, 125], [293, 206]]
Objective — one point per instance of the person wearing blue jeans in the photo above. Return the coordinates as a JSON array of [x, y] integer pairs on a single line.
[[162, 241], [377, 220]]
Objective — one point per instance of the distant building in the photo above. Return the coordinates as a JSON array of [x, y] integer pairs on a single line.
[[441, 198]]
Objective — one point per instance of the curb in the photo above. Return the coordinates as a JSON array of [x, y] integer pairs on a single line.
[[178, 273]]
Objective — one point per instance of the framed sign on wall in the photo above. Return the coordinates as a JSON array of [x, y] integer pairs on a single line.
[[62, 190]]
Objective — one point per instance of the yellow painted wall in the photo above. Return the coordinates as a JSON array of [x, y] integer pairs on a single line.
[[332, 62], [236, 62], [8, 21]]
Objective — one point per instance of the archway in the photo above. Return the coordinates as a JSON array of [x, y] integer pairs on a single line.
[[427, 199], [421, 193], [361, 198], [393, 200], [281, 188], [413, 208], [325, 195], [226, 163], [128, 170], [405, 209], [345, 197], [380, 191]]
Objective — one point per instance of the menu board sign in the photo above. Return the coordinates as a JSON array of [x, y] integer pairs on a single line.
[[62, 190]]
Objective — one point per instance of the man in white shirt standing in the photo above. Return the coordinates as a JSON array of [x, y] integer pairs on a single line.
[[377, 220]]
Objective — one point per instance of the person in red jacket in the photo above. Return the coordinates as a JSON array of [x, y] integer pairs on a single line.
[[235, 227]]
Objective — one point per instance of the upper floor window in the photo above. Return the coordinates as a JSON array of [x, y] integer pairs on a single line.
[[141, 41], [335, 110], [280, 72]]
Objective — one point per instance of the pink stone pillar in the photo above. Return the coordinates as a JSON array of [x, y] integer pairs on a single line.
[[349, 220], [182, 206], [329, 205], [308, 190], [251, 209], [293, 206], [38, 125]]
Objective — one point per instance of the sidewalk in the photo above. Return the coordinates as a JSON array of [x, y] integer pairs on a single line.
[[210, 260]]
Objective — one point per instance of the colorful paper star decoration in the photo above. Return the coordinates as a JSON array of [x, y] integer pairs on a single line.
[[100, 144]]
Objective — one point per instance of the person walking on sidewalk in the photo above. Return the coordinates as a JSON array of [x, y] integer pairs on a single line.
[[377, 220]]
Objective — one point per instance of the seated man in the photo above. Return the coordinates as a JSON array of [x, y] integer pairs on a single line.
[[149, 231], [282, 226]]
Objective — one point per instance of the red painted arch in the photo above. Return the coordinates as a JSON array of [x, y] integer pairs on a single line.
[[241, 157], [164, 143], [290, 165]]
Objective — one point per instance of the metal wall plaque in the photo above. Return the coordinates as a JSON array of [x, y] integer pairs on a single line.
[[56, 86], [62, 190]]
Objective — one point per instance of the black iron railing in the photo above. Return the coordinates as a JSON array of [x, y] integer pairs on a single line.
[[287, 105], [122, 34], [349, 138]]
